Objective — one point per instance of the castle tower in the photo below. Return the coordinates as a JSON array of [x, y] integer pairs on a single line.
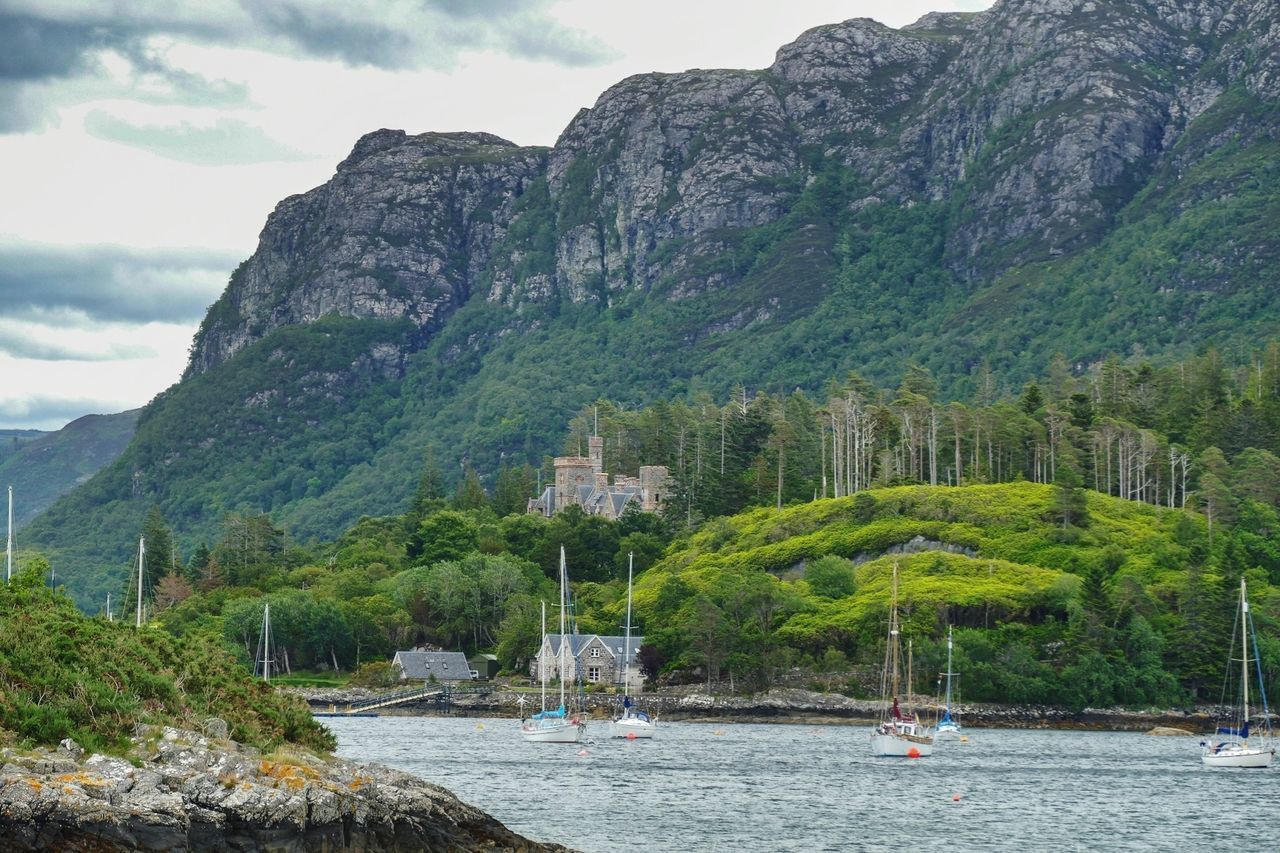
[[571, 472], [655, 482], [595, 449]]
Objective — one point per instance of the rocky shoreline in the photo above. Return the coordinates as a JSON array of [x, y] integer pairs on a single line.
[[782, 705], [187, 791]]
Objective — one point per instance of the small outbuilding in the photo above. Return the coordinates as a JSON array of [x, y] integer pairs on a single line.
[[485, 666]]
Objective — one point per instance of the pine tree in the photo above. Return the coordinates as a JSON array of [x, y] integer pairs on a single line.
[[429, 496], [470, 493]]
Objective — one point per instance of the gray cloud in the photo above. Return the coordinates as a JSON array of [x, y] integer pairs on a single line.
[[62, 43], [429, 34], [228, 141], [111, 284], [50, 413], [21, 345]]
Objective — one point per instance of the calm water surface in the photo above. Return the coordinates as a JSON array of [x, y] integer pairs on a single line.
[[754, 787]]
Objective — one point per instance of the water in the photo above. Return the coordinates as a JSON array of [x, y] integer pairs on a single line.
[[758, 787]]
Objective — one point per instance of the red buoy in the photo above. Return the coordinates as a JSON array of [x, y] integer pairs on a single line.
[[631, 735], [913, 753]]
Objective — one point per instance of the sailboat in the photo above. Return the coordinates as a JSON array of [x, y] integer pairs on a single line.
[[556, 726], [947, 726], [898, 733], [632, 723], [1238, 749]]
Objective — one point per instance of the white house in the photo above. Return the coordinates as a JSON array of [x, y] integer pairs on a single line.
[[599, 659]]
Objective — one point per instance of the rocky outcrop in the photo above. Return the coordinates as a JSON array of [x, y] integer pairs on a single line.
[[193, 793], [1036, 119], [401, 230]]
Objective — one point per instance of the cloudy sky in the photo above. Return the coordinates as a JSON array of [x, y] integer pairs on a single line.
[[143, 143]]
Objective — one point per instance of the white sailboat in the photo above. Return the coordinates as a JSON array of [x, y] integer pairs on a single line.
[[632, 723], [947, 726], [556, 726], [898, 733], [1238, 749]]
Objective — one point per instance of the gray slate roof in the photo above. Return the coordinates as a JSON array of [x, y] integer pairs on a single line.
[[577, 642], [445, 666]]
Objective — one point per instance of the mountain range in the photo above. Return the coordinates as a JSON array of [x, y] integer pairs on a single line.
[[971, 193]]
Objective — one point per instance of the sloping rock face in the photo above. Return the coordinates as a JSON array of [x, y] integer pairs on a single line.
[[1038, 119], [193, 793], [401, 230]]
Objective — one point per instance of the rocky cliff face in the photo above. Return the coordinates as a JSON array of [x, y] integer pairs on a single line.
[[1037, 119], [401, 230]]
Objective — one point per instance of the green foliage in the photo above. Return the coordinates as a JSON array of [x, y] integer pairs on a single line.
[[444, 535], [67, 675], [831, 577]]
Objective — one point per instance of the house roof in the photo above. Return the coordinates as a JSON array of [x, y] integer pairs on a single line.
[[445, 666], [578, 642]]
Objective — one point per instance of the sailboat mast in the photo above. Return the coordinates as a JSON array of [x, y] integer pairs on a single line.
[[893, 632], [948, 669], [8, 551], [266, 641], [909, 651], [626, 643], [1244, 648], [542, 669], [564, 641], [142, 549]]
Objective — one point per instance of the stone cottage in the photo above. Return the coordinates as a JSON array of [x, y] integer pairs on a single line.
[[599, 659]]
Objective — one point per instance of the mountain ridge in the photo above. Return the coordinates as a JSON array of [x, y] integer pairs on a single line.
[[1072, 175]]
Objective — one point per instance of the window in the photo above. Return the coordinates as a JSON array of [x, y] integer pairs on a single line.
[[595, 651], [593, 674]]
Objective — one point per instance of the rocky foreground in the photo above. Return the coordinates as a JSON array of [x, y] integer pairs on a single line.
[[188, 791], [781, 705]]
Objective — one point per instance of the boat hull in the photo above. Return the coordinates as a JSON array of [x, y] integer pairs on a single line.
[[631, 728], [569, 732], [946, 732], [1239, 758], [900, 746]]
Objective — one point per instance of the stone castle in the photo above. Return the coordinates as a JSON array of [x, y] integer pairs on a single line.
[[581, 480]]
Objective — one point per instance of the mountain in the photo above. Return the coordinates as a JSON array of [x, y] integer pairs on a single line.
[[45, 466], [971, 191]]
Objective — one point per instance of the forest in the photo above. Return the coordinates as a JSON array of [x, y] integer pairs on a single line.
[[1085, 537]]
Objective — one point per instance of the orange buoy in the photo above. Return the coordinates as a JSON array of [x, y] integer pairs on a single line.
[[955, 798], [631, 735], [913, 753]]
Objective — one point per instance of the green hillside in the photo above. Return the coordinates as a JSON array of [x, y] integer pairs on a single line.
[[49, 465], [1132, 608]]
